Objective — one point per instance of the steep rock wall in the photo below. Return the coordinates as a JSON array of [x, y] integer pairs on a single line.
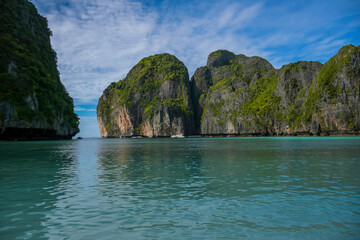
[[235, 94], [33, 102], [153, 101]]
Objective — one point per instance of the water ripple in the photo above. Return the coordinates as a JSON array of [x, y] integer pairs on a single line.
[[248, 188]]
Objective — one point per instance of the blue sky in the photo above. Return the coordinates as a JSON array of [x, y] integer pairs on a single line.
[[98, 41]]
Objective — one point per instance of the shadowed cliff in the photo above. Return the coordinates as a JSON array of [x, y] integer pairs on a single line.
[[33, 102]]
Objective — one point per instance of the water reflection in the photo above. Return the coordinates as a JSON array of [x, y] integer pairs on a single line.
[[222, 168], [251, 185], [147, 165], [181, 188], [33, 177]]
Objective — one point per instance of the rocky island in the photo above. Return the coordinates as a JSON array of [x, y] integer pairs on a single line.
[[235, 95], [34, 104], [153, 101]]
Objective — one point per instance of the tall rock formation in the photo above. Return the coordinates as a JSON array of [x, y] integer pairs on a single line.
[[232, 91], [332, 104], [153, 101], [235, 94], [33, 102]]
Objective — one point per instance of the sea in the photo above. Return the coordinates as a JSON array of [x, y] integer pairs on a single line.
[[189, 188]]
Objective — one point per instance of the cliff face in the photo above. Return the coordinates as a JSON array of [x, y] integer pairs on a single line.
[[235, 94], [224, 89], [33, 102], [153, 100], [333, 104]]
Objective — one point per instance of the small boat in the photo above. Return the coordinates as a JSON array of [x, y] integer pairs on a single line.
[[177, 136], [136, 137]]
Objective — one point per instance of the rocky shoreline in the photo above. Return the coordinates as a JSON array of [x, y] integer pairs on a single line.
[[246, 136]]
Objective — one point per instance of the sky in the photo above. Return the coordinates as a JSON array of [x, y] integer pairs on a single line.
[[99, 41]]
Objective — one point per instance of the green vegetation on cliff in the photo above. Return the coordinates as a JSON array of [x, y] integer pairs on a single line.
[[157, 82], [147, 77], [240, 87], [246, 95], [263, 102], [325, 87], [28, 68], [236, 94]]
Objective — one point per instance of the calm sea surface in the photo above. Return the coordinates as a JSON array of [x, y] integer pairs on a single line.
[[204, 188]]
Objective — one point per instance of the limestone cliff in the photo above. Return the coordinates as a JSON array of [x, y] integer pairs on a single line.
[[153, 101], [332, 104], [33, 102], [235, 94]]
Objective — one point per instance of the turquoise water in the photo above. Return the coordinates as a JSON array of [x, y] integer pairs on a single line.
[[205, 188]]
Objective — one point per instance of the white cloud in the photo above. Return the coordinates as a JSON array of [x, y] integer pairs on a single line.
[[98, 41]]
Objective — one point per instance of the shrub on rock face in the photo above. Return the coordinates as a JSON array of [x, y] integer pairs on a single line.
[[153, 100]]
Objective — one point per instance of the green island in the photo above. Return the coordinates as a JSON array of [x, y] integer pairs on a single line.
[[153, 99], [234, 95]]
